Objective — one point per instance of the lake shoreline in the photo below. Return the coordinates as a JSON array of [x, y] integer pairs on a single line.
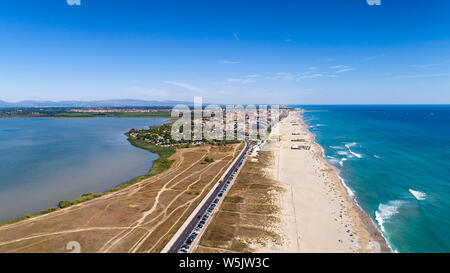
[[158, 165]]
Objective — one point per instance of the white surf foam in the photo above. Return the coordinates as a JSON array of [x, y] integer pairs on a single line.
[[376, 156], [386, 211], [351, 194], [332, 160], [418, 194], [342, 161], [337, 147], [350, 150]]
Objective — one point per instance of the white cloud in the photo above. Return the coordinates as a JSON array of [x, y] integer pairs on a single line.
[[421, 76], [248, 79], [311, 76], [73, 2], [235, 36], [241, 80], [342, 68], [345, 70], [281, 75], [229, 62], [184, 85]]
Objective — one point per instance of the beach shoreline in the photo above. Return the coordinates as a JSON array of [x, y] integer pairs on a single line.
[[320, 213], [367, 221]]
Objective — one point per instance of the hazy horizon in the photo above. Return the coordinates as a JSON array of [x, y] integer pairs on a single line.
[[219, 103]]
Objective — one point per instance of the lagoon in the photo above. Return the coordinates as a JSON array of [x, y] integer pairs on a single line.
[[43, 161]]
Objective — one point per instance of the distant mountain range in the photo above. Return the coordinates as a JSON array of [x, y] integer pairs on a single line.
[[98, 103]]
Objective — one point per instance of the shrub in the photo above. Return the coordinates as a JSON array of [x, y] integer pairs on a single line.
[[209, 159], [64, 204]]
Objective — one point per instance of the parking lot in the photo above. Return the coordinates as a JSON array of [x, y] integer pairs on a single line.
[[193, 231]]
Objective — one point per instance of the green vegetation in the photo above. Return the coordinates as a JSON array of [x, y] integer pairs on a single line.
[[64, 204], [209, 159], [160, 165], [28, 216], [84, 113], [114, 115], [85, 197], [161, 136]]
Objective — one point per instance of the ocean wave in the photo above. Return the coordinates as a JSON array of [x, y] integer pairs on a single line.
[[376, 156], [342, 153], [348, 145], [333, 161], [349, 191], [418, 194], [386, 211], [337, 147], [342, 161]]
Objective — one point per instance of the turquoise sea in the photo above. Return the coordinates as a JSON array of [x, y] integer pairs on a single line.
[[396, 160], [43, 161]]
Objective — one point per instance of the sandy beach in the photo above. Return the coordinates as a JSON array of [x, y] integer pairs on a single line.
[[318, 214]]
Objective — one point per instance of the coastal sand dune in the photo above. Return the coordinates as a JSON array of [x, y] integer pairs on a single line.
[[318, 214]]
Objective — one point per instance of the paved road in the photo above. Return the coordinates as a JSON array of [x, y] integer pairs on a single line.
[[194, 222]]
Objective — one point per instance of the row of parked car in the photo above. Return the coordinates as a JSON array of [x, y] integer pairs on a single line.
[[258, 146], [185, 247]]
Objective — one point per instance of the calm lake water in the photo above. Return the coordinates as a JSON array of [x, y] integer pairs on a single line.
[[44, 161]]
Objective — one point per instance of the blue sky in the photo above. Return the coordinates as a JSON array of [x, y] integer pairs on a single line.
[[228, 51]]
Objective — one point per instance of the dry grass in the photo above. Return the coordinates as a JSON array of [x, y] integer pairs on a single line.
[[139, 218], [249, 214]]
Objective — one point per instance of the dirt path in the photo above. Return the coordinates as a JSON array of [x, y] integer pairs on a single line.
[[107, 219]]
